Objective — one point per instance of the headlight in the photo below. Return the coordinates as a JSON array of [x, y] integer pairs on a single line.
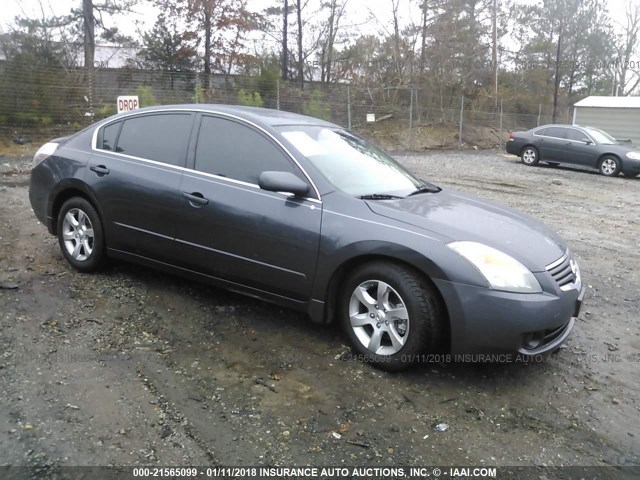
[[45, 151], [501, 271], [633, 155]]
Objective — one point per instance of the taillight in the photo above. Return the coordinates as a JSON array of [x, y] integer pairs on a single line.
[[512, 136], [44, 152]]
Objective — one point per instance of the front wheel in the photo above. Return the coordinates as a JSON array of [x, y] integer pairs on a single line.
[[80, 234], [530, 156], [391, 314], [609, 166]]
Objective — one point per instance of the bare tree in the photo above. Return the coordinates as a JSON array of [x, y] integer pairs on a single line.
[[91, 15], [336, 12], [628, 44], [285, 43], [300, 51]]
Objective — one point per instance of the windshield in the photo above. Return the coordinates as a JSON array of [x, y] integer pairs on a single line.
[[601, 137], [350, 163]]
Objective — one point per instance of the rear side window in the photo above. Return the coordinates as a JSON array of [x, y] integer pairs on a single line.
[[160, 137], [230, 149], [541, 131], [557, 132], [109, 136]]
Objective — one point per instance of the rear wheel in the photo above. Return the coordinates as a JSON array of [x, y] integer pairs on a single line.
[[609, 166], [391, 314], [80, 234], [530, 156]]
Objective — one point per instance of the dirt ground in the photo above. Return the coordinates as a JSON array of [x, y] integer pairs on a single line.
[[132, 367]]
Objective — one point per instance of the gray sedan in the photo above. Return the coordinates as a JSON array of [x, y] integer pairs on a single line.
[[572, 144], [303, 213]]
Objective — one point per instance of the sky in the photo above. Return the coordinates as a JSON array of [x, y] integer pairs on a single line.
[[145, 17]]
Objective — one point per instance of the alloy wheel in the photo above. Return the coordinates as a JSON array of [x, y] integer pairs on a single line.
[[379, 317], [609, 166], [77, 233]]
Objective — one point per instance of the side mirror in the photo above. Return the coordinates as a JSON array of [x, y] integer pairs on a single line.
[[588, 142], [283, 182]]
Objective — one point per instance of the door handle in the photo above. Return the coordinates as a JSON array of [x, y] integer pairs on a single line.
[[99, 169], [195, 198]]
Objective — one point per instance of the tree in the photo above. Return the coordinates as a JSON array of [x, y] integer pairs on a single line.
[[37, 80], [166, 48], [300, 51], [219, 25], [285, 43], [90, 16], [627, 78], [566, 39], [336, 12]]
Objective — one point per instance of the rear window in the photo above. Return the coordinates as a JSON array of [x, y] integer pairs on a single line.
[[160, 137], [557, 132]]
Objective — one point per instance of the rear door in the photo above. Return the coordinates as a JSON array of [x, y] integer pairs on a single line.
[[552, 143], [230, 228], [135, 175]]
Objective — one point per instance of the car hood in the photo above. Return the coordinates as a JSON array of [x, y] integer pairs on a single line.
[[621, 149], [459, 216]]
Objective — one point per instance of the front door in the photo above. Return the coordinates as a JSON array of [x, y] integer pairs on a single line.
[[230, 228], [580, 149]]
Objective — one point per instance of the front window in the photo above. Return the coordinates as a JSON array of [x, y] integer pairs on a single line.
[[351, 164], [229, 149], [601, 137]]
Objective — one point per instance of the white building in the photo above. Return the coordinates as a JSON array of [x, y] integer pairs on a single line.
[[618, 116]]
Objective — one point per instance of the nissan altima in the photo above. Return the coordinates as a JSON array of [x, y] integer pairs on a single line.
[[303, 213]]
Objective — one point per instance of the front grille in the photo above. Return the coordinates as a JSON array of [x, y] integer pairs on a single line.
[[561, 270]]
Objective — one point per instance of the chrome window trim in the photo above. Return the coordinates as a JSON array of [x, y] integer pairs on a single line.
[[566, 139], [190, 173], [122, 117], [127, 157]]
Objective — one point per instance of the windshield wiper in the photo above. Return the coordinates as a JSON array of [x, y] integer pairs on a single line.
[[379, 196], [425, 188]]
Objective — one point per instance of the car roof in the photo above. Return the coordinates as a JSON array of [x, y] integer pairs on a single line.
[[558, 125], [259, 115]]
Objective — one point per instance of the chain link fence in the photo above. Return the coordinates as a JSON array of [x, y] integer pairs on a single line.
[[53, 101]]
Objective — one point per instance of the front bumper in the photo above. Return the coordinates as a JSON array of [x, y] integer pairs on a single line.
[[630, 167], [483, 320]]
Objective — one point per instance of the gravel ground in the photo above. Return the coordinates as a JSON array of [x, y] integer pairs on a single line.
[[132, 367]]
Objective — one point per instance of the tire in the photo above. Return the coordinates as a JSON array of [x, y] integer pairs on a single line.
[[553, 164], [609, 166], [530, 156], [369, 296], [80, 235], [631, 175]]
